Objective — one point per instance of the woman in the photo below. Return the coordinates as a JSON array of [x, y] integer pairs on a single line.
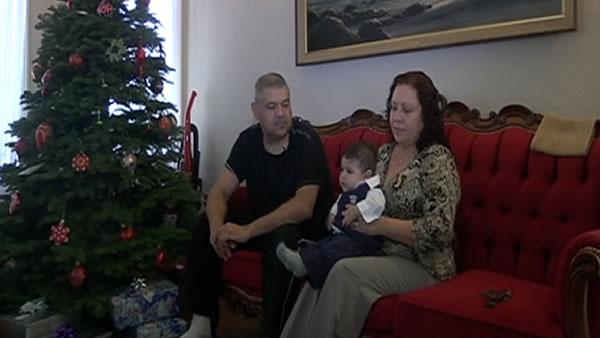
[[422, 190]]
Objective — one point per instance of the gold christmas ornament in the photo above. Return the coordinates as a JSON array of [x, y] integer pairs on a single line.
[[129, 161]]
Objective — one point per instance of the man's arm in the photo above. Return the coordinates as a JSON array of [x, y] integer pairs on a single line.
[[216, 205], [298, 209]]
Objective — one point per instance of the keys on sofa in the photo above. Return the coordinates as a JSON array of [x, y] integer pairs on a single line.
[[495, 297]]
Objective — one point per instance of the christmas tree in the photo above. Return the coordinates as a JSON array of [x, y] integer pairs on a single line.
[[96, 168]]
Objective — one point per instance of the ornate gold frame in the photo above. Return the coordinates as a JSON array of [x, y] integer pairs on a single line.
[[564, 21]]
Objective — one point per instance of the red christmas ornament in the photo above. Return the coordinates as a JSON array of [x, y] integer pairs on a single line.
[[76, 60], [78, 275], [21, 147], [140, 58], [161, 257], [166, 123], [127, 232], [59, 233], [80, 163], [42, 133], [15, 202], [46, 78], [105, 8]]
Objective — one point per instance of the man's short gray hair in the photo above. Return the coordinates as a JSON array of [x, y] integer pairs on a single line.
[[268, 80]]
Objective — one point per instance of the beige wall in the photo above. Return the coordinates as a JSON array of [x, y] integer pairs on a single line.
[[230, 43]]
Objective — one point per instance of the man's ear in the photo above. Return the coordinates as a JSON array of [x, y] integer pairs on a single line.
[[254, 108], [369, 173]]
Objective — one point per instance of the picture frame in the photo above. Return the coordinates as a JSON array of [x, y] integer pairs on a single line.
[[330, 30]]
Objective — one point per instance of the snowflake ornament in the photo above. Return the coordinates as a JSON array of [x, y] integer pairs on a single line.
[[138, 283], [116, 51], [105, 8], [80, 163], [59, 233]]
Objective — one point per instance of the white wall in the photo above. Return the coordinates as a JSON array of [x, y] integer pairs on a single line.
[[35, 37], [230, 43], [233, 42]]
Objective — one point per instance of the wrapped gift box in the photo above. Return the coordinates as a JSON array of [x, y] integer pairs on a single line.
[[156, 301], [39, 325], [166, 328]]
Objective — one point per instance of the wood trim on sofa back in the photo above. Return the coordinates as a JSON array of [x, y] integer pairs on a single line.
[[512, 115], [456, 112], [360, 118]]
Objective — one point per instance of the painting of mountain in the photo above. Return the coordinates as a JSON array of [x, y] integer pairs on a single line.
[[338, 23]]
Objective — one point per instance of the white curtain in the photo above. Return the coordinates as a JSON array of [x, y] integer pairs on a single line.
[[13, 67], [169, 14]]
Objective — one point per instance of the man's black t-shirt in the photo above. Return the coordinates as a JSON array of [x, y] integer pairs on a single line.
[[274, 179]]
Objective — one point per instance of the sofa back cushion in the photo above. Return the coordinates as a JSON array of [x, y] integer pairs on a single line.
[[362, 125], [519, 208]]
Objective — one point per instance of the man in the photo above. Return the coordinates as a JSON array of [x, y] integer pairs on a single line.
[[282, 161]]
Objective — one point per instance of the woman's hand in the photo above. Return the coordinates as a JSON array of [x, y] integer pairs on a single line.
[[360, 225], [399, 230]]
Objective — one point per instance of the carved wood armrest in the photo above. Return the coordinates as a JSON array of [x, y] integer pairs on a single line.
[[584, 268]]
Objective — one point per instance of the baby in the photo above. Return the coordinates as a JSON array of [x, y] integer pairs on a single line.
[[361, 197]]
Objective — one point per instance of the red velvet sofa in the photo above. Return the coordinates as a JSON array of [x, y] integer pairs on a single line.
[[527, 222]]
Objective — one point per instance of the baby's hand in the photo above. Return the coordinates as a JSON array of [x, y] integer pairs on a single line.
[[351, 214]]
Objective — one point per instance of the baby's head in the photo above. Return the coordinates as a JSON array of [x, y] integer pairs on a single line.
[[358, 164]]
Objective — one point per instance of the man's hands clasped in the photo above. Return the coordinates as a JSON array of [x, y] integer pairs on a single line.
[[226, 237]]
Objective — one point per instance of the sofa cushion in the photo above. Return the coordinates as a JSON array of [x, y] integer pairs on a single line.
[[381, 317], [519, 208], [458, 308]]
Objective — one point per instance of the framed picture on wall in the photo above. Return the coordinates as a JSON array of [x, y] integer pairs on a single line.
[[328, 30]]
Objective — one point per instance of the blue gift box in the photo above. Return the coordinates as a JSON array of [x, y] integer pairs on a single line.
[[156, 301], [166, 328]]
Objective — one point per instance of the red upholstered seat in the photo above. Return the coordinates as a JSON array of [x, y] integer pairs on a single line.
[[457, 307], [526, 221]]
